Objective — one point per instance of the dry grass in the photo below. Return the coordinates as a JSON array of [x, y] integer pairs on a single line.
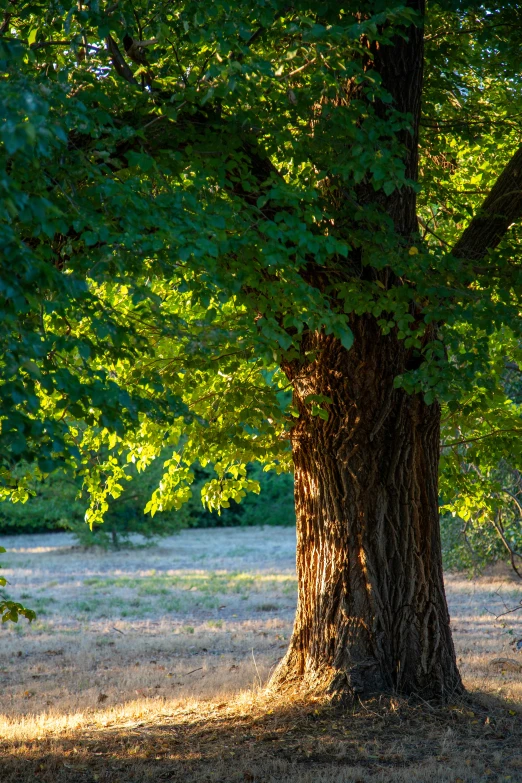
[[148, 665]]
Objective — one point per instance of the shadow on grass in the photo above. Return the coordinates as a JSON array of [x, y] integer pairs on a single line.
[[259, 740]]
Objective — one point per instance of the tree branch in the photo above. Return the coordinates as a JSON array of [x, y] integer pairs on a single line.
[[478, 437], [119, 62], [430, 231], [497, 524], [467, 30], [5, 23], [45, 44], [501, 208], [7, 18]]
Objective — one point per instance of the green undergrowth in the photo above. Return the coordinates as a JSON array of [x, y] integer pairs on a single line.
[[207, 583]]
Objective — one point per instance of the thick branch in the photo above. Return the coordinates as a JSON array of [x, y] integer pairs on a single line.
[[5, 23], [4, 27], [501, 208], [119, 62], [45, 44], [400, 67]]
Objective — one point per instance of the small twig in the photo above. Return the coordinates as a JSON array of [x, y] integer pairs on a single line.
[[430, 706], [509, 611], [514, 499], [192, 672], [150, 42], [180, 68], [118, 630], [430, 231], [298, 70], [478, 437], [156, 119], [497, 524], [257, 670], [470, 548]]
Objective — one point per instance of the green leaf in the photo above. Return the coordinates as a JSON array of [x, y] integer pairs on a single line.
[[346, 337]]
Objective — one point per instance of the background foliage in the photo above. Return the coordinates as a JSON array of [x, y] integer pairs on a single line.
[[56, 506]]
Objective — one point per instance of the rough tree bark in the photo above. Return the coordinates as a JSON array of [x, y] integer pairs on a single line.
[[501, 208], [372, 614]]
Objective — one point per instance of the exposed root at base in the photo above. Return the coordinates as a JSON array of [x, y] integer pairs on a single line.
[[346, 686]]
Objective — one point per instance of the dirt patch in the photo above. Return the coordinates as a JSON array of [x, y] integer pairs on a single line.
[[149, 664]]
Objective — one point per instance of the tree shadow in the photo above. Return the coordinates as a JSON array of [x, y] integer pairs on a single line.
[[264, 739]]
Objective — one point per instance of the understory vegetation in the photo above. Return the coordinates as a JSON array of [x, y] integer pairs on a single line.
[[489, 535]]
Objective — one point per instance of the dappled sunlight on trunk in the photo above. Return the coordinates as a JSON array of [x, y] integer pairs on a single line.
[[371, 615]]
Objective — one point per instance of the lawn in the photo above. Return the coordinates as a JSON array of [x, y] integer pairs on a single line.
[[150, 664]]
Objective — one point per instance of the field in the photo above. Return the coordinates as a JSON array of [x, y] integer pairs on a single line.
[[149, 664]]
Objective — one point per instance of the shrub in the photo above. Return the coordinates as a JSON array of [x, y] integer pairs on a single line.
[[469, 546], [485, 537], [55, 506]]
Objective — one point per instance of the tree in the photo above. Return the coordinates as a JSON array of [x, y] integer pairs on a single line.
[[234, 229]]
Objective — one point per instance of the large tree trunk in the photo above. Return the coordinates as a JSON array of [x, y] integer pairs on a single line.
[[372, 614]]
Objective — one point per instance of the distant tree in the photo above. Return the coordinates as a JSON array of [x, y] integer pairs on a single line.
[[273, 232]]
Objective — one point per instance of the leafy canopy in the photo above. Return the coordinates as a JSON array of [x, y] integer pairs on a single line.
[[179, 196]]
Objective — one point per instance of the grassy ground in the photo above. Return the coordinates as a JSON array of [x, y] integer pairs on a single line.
[[148, 664]]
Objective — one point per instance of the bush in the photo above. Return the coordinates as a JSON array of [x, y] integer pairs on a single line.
[[469, 547], [54, 507], [58, 505], [481, 541]]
